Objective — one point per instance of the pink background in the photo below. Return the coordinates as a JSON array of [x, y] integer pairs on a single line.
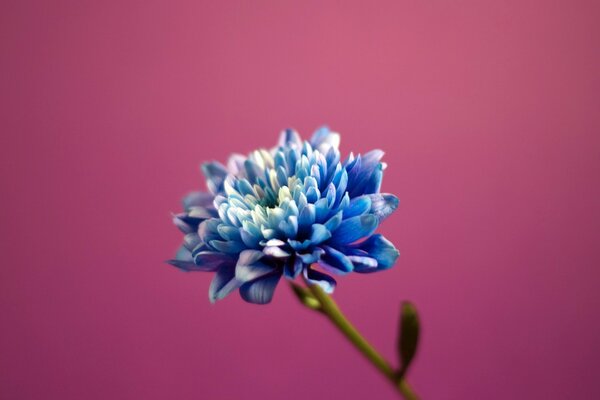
[[488, 112]]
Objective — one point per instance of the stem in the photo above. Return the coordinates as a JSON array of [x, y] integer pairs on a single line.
[[335, 315]]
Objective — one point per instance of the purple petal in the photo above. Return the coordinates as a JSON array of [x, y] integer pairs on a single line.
[[223, 283], [260, 291], [198, 199], [215, 174], [249, 266], [210, 260]]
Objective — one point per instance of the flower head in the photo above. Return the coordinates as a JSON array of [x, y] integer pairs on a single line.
[[279, 212]]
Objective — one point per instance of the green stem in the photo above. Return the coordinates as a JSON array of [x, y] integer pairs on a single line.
[[335, 315]]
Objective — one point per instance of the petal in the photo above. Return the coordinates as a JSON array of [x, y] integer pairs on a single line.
[[223, 283], [198, 199], [215, 174], [201, 213], [290, 138], [383, 204], [260, 291], [352, 229], [358, 206], [362, 170], [334, 222], [230, 233], [227, 246], [210, 260], [184, 254], [191, 241], [381, 249], [321, 209], [235, 163], [249, 240], [363, 264], [312, 257], [326, 282], [275, 251], [319, 234], [208, 230], [323, 140], [292, 268], [249, 266], [373, 183], [289, 226], [306, 218], [298, 246], [185, 226], [337, 260]]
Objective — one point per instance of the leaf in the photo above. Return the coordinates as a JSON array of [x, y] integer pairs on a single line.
[[408, 336], [306, 297]]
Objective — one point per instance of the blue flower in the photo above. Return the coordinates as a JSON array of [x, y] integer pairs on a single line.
[[283, 211]]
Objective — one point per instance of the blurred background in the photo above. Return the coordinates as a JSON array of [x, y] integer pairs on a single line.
[[487, 111]]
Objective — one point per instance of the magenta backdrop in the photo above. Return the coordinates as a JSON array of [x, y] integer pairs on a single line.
[[488, 113]]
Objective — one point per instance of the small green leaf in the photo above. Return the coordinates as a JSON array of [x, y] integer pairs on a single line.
[[408, 337], [306, 297]]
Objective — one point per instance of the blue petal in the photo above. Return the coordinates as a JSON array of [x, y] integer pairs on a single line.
[[290, 226], [249, 240], [215, 174], [333, 222], [298, 246], [341, 184], [306, 219], [381, 249], [229, 233], [314, 277], [321, 209], [260, 291], [319, 136], [223, 283], [245, 188], [313, 257], [352, 229], [373, 183], [383, 204], [292, 268], [358, 206], [319, 234], [337, 260], [323, 140], [290, 138], [253, 171], [361, 170]]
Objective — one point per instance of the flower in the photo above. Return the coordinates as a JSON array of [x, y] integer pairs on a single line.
[[280, 212]]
